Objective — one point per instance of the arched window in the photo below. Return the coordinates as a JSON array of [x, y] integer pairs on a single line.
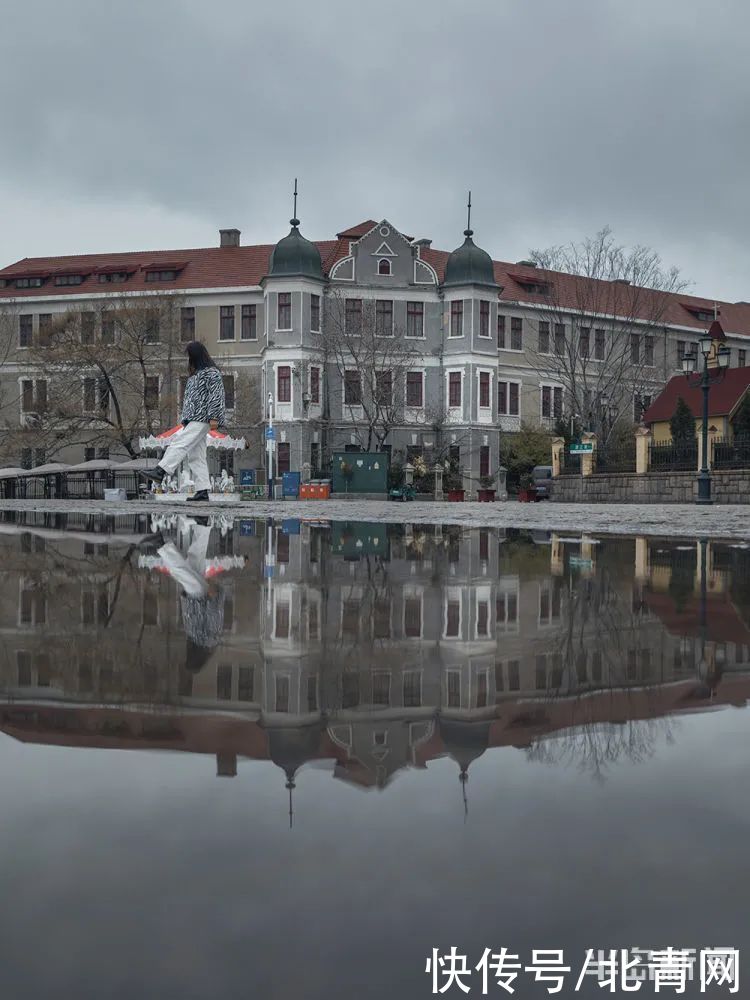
[[384, 266]]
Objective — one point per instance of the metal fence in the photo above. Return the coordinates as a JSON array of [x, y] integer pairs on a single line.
[[673, 456], [571, 464], [69, 485], [616, 458], [733, 454]]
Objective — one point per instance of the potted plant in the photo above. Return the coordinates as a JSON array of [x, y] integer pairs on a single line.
[[454, 485], [486, 491], [527, 490]]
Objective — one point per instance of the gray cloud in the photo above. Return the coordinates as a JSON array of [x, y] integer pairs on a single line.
[[145, 125]]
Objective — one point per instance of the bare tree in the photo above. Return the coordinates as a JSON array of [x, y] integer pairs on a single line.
[[371, 358], [9, 338], [601, 322], [103, 376]]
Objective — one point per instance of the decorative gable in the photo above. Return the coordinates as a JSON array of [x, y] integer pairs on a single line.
[[383, 251], [384, 256]]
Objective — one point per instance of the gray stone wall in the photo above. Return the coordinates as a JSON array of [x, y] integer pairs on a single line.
[[728, 486]]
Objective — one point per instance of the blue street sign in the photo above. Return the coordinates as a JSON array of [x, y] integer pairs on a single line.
[[247, 527], [270, 433]]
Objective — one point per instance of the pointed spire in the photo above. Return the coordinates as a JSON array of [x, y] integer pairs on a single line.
[[468, 231], [294, 220], [291, 786]]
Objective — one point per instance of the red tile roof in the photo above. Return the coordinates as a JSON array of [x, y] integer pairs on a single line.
[[357, 232], [722, 398], [227, 267], [723, 621]]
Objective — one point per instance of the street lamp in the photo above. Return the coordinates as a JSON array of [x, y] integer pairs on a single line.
[[709, 670], [269, 445], [704, 379]]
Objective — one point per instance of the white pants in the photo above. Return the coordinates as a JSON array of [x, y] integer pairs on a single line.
[[188, 572], [190, 444]]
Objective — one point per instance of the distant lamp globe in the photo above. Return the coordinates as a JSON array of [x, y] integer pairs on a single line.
[[688, 363]]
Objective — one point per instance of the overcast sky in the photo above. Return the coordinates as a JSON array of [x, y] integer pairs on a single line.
[[148, 125]]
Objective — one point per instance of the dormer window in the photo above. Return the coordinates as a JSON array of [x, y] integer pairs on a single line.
[[534, 287], [167, 275], [28, 282], [113, 277], [703, 313], [69, 279], [384, 266], [166, 270]]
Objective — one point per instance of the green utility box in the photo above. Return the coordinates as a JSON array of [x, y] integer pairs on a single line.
[[360, 472], [359, 538]]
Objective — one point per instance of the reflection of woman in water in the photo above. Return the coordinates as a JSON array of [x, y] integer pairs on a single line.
[[202, 602]]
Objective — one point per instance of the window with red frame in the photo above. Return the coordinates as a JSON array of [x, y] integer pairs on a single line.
[[457, 318], [284, 384], [484, 319], [352, 388], [284, 311], [454, 389], [484, 390], [414, 393]]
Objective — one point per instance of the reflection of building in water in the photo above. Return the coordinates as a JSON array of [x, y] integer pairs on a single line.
[[369, 647]]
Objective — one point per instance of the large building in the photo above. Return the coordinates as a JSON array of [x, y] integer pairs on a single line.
[[472, 346]]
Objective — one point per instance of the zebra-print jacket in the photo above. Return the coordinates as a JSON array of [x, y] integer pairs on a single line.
[[204, 397]]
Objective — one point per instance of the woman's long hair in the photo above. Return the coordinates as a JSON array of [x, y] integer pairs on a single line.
[[198, 357]]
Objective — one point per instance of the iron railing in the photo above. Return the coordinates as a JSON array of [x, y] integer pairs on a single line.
[[673, 456], [733, 454], [616, 458], [571, 464]]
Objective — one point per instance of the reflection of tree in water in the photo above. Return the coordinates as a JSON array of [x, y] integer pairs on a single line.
[[604, 649], [82, 594], [593, 747]]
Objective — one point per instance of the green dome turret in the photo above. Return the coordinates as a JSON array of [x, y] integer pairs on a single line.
[[295, 256], [469, 265]]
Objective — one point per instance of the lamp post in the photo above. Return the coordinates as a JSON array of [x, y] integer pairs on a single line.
[[710, 668], [269, 445], [705, 379]]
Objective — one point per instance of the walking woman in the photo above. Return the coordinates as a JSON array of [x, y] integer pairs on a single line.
[[202, 410]]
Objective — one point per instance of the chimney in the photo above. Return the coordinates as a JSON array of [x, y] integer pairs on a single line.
[[423, 243], [621, 281], [229, 237], [526, 263]]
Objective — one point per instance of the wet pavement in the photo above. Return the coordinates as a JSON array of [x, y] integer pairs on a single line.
[[715, 521], [269, 756]]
